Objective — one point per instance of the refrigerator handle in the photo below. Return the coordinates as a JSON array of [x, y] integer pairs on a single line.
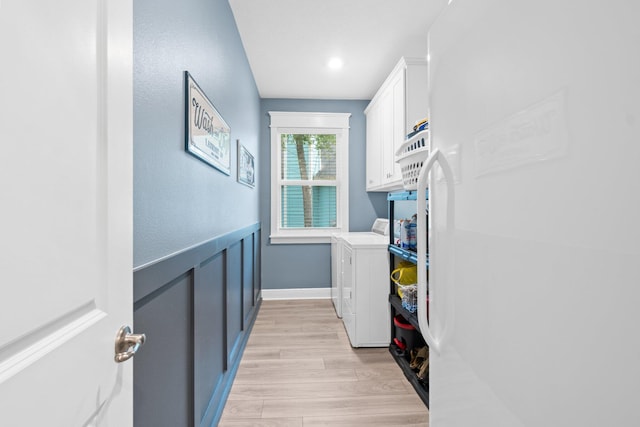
[[436, 156]]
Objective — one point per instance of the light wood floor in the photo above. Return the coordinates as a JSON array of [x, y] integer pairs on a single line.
[[298, 370]]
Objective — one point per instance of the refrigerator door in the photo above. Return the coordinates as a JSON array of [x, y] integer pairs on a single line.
[[536, 107]]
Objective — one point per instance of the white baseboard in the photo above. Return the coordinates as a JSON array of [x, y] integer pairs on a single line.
[[300, 293]]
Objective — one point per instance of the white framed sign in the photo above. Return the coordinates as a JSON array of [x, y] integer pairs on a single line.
[[207, 135], [246, 166]]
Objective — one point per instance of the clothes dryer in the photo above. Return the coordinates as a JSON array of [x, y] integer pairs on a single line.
[[360, 284], [379, 233]]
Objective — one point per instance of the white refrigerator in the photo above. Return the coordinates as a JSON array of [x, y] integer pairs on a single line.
[[534, 214]]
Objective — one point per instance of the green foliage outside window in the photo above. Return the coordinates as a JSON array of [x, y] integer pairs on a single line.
[[308, 157]]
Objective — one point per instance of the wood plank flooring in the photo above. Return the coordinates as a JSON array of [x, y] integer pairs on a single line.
[[299, 370]]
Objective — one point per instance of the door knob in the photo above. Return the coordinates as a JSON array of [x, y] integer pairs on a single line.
[[127, 344]]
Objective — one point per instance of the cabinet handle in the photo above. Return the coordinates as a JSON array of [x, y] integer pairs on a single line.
[[434, 263]]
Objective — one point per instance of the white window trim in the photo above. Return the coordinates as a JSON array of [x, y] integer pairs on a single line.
[[294, 122]]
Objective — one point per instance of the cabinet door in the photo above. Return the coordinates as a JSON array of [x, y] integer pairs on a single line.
[[386, 110], [374, 148], [398, 89], [415, 102], [394, 132]]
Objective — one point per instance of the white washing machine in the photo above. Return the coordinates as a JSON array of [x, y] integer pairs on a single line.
[[379, 228], [360, 284]]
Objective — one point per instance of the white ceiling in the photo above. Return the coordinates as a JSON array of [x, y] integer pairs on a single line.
[[289, 43]]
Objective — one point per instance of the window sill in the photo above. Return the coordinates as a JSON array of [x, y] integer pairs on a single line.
[[307, 239]]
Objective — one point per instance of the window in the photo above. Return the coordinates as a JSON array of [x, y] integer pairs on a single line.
[[309, 176]]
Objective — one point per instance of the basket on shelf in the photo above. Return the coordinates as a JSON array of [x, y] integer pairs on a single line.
[[411, 156]]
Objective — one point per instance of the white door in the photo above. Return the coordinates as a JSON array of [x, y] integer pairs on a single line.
[[534, 271], [66, 212]]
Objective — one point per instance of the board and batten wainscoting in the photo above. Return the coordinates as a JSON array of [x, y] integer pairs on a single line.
[[197, 308]]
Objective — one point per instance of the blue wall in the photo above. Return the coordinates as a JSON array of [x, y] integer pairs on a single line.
[[179, 201], [309, 266]]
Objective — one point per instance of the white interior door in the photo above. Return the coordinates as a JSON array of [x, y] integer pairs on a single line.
[[66, 213]]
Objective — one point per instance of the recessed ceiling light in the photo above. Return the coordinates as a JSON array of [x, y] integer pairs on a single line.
[[335, 63]]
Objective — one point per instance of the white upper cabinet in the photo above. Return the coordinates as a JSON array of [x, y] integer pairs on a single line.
[[400, 102]]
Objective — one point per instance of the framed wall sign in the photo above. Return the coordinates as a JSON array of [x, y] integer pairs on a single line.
[[207, 135], [246, 166]]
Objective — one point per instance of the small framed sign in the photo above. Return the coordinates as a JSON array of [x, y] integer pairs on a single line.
[[207, 135], [246, 166]]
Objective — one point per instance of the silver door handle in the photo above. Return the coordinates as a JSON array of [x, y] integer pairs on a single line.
[[127, 344]]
